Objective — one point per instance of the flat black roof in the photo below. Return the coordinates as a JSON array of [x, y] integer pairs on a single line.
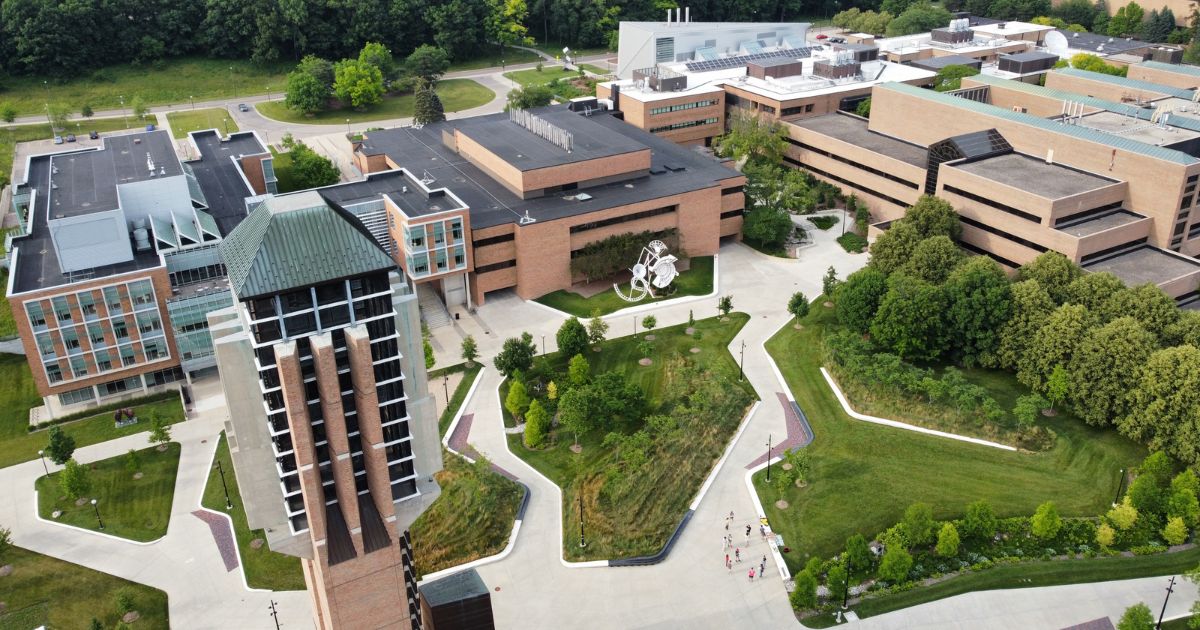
[[1031, 55], [527, 151], [853, 130], [673, 170], [400, 188], [1100, 43], [37, 263], [937, 63], [87, 182], [220, 177]]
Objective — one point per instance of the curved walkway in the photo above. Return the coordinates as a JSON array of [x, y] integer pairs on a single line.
[[204, 590]]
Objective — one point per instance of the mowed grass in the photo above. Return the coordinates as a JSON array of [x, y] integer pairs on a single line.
[[137, 509], [8, 327], [263, 568], [456, 95], [456, 399], [18, 395], [491, 57], [13, 134], [471, 519], [45, 591], [213, 118], [532, 76], [697, 280], [624, 530], [285, 179], [865, 475], [175, 81]]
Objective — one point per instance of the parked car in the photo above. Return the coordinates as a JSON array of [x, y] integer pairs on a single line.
[[93, 135], [149, 127], [58, 140], [822, 36], [70, 137], [837, 40], [242, 107]]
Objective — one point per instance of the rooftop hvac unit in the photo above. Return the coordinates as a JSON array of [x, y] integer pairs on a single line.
[[141, 239]]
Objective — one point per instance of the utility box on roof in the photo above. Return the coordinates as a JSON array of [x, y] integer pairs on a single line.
[[457, 602]]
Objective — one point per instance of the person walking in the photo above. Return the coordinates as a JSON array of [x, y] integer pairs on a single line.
[[747, 535], [726, 560], [725, 543], [762, 568], [737, 553], [751, 574], [762, 530]]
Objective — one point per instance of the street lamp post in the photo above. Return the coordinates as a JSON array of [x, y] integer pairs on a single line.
[[543, 344], [274, 614], [96, 506], [123, 115], [193, 97], [46, 85], [846, 591], [221, 470], [232, 85], [226, 120], [42, 454], [347, 126], [268, 94], [446, 388]]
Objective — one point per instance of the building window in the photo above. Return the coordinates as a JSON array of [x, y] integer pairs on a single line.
[[54, 373], [79, 366], [155, 349], [62, 310], [127, 356], [112, 388], [844, 160], [76, 396], [460, 258], [732, 191], [45, 345], [37, 318], [103, 360], [456, 231], [1033, 218], [112, 300], [87, 304], [70, 339], [96, 334], [141, 292], [1186, 202], [731, 214]]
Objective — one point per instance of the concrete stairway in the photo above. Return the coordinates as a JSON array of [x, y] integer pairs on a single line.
[[433, 310]]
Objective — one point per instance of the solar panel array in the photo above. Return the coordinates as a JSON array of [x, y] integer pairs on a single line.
[[741, 60], [752, 47], [707, 53]]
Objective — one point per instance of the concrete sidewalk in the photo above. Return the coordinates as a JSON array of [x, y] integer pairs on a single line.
[[186, 563]]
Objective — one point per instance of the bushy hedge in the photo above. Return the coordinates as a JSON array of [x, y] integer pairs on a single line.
[[619, 252]]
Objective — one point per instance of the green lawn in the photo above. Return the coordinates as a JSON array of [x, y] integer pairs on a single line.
[[471, 519], [174, 82], [549, 73], [285, 181], [137, 509], [864, 475], [555, 48], [216, 118], [11, 135], [639, 521], [1033, 574], [697, 280], [263, 568], [18, 395], [493, 58], [456, 399], [456, 95], [45, 591], [825, 221], [852, 242], [596, 69], [8, 327]]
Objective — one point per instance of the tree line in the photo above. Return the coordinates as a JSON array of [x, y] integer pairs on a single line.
[[59, 38], [1120, 356]]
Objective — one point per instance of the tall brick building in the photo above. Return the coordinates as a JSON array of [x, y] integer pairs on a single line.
[[331, 429]]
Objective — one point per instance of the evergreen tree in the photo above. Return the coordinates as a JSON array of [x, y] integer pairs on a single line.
[[427, 107]]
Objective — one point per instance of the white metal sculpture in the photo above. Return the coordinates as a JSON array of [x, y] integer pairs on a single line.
[[655, 269]]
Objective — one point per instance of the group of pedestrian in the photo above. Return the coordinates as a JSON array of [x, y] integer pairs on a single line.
[[727, 542]]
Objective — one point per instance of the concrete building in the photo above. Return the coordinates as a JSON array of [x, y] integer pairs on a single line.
[[480, 204], [647, 44], [1171, 74], [332, 430], [114, 264], [1111, 184]]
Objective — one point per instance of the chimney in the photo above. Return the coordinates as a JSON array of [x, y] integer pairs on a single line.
[[687, 14], [678, 14], [668, 16]]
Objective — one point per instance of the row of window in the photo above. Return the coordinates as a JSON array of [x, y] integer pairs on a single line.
[[441, 261], [430, 235], [494, 240], [799, 109], [732, 213], [120, 386], [107, 360], [1033, 218], [496, 266], [645, 214], [1002, 234], [858, 165], [682, 106], [139, 293], [684, 125]]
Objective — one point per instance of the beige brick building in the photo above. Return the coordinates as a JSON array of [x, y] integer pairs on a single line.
[[1108, 183], [516, 197]]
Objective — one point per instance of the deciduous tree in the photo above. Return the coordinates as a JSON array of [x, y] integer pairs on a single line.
[[858, 298], [895, 564], [427, 62], [516, 354], [537, 424], [517, 400], [1105, 370], [1165, 413], [1028, 408], [858, 554], [60, 447], [597, 329], [1175, 532], [578, 371], [1094, 290], [1123, 516], [1137, 616], [894, 247], [1032, 306], [649, 322], [470, 350], [950, 77], [305, 94], [979, 523], [1054, 272], [357, 83], [798, 305], [909, 320], [980, 303], [572, 338], [1147, 304], [918, 523], [933, 259], [1053, 345], [74, 480], [1105, 535], [804, 593]]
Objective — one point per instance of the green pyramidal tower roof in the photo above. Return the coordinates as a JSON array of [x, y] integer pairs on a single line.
[[297, 241]]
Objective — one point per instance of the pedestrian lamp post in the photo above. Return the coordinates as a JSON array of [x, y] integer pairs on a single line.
[[42, 454], [845, 218], [446, 388], [268, 94], [846, 590], [741, 363], [582, 542], [769, 458], [193, 99], [1170, 589], [232, 85], [226, 120], [543, 344], [124, 116], [347, 126], [46, 85], [96, 506], [635, 325], [274, 614], [221, 470]]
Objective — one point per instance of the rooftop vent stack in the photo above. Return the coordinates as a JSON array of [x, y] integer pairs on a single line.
[[141, 239], [526, 219], [678, 14], [668, 16], [687, 14], [1049, 156], [150, 164]]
